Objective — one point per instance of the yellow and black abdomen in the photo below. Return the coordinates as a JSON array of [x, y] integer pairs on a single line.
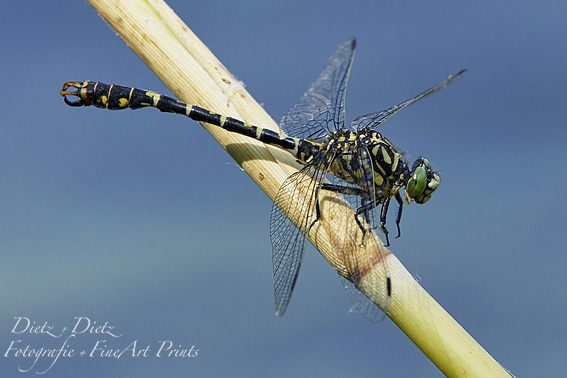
[[116, 97]]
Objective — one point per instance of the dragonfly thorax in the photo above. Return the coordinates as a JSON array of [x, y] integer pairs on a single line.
[[367, 159]]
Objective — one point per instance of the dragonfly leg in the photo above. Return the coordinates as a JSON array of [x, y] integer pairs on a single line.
[[317, 209], [364, 209], [400, 208], [383, 213]]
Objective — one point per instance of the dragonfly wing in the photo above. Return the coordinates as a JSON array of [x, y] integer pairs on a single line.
[[322, 107], [361, 303], [358, 248], [375, 119], [296, 199]]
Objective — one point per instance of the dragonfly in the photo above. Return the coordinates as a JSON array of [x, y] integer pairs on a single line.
[[355, 162]]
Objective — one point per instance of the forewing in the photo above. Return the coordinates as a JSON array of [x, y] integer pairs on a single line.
[[321, 108], [375, 119]]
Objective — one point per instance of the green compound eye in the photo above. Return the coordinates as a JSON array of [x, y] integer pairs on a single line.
[[417, 183]]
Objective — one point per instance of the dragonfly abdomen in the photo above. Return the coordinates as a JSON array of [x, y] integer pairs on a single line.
[[116, 97]]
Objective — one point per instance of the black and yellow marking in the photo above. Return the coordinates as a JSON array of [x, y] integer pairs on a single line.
[[342, 151], [364, 167], [116, 97]]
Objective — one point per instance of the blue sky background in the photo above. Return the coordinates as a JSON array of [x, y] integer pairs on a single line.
[[142, 220]]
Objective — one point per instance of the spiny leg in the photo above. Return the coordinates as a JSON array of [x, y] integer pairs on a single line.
[[362, 210], [383, 213], [400, 208], [317, 209]]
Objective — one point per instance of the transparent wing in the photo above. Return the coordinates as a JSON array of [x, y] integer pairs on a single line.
[[357, 247], [322, 107], [361, 304], [296, 197], [375, 119]]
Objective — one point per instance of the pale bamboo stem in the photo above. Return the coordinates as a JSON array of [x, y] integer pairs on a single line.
[[195, 76]]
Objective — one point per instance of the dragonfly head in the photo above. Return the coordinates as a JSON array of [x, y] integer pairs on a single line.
[[422, 182]]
